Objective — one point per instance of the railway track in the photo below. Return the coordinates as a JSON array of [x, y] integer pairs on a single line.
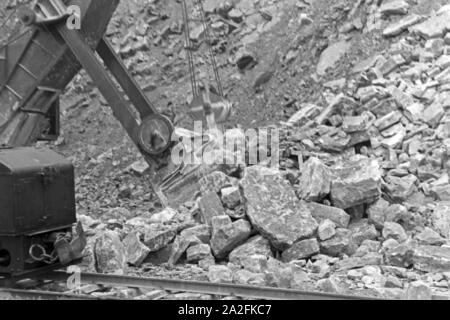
[[243, 291], [169, 285], [21, 294]]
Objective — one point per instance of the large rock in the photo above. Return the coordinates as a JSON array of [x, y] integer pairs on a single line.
[[279, 274], [202, 232], [198, 252], [327, 230], [331, 56], [301, 250], [357, 182], [432, 259], [110, 254], [367, 246], [210, 207], [400, 255], [394, 231], [160, 257], [315, 182], [388, 120], [376, 213], [440, 219], [394, 7], [179, 247], [398, 213], [433, 114], [355, 124], [136, 251], [362, 231], [164, 216], [88, 263], [231, 197], [402, 25], [274, 209], [321, 212], [399, 189], [338, 245], [430, 237], [156, 239], [434, 27], [227, 235], [257, 245]]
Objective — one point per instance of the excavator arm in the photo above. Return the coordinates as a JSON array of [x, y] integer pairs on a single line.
[[29, 89], [38, 63]]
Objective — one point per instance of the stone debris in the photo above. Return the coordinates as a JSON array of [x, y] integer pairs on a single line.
[[402, 25], [337, 245], [419, 291], [394, 7], [432, 259], [210, 206], [140, 168], [249, 278], [274, 209], [198, 253], [163, 217], [301, 250], [214, 182], [220, 274], [315, 181], [376, 213], [357, 182], [433, 27], [331, 56], [255, 246], [440, 219], [430, 237], [156, 239], [179, 247], [231, 197], [321, 212], [326, 230], [136, 252], [278, 274], [227, 235], [394, 231], [110, 254], [202, 232]]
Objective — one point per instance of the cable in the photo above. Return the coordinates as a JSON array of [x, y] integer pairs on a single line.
[[189, 49], [209, 44]]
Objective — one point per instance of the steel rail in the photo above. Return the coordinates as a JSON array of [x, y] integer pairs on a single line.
[[247, 291], [16, 294]]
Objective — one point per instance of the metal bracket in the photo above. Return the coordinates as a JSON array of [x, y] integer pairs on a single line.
[[44, 12]]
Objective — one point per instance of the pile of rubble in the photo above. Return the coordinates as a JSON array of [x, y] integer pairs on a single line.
[[362, 200]]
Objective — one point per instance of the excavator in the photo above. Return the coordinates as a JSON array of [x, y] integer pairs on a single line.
[[38, 60]]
